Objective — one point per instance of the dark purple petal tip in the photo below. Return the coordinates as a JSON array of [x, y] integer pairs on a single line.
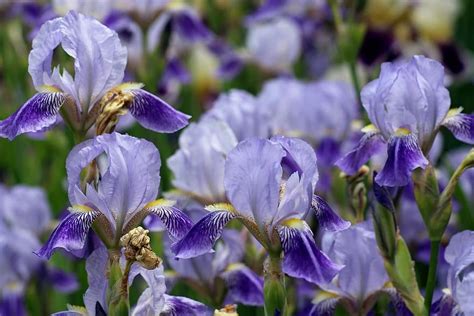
[[202, 236], [244, 286], [176, 222], [404, 156], [462, 127], [369, 144], [190, 27], [326, 217], [302, 258], [70, 234], [36, 114], [177, 305], [155, 114]]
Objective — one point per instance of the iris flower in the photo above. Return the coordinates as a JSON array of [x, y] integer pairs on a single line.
[[24, 216], [207, 271], [152, 301], [120, 196], [363, 277], [95, 90], [270, 184], [407, 106], [457, 299]]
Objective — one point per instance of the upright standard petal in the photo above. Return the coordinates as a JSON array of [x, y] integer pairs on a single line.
[[404, 156], [129, 171], [36, 114], [71, 233], [302, 258], [300, 176], [244, 286], [252, 179], [202, 236], [462, 126], [413, 96], [370, 144], [155, 114], [363, 273], [241, 112], [99, 59], [198, 165]]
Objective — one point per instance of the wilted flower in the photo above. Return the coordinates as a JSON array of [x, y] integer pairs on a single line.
[[407, 105], [270, 184], [95, 92], [152, 301], [24, 216], [460, 256], [121, 192], [266, 47]]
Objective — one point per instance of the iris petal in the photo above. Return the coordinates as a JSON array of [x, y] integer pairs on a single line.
[[462, 127], [155, 114], [37, 113], [404, 155], [178, 305], [326, 217], [369, 144], [244, 286], [200, 239], [71, 233], [176, 222], [302, 258]]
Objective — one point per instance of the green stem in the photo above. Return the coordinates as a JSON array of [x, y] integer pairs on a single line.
[[336, 16], [431, 282], [274, 286]]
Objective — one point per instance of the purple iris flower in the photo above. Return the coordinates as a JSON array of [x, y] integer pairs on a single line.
[[407, 105], [270, 184], [241, 111], [120, 196], [314, 111], [24, 216], [276, 44], [152, 301], [460, 256], [99, 64], [187, 30], [198, 166], [319, 112], [363, 276], [243, 285]]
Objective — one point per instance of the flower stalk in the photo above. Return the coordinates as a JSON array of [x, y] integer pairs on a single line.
[[117, 300], [436, 211], [274, 286]]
